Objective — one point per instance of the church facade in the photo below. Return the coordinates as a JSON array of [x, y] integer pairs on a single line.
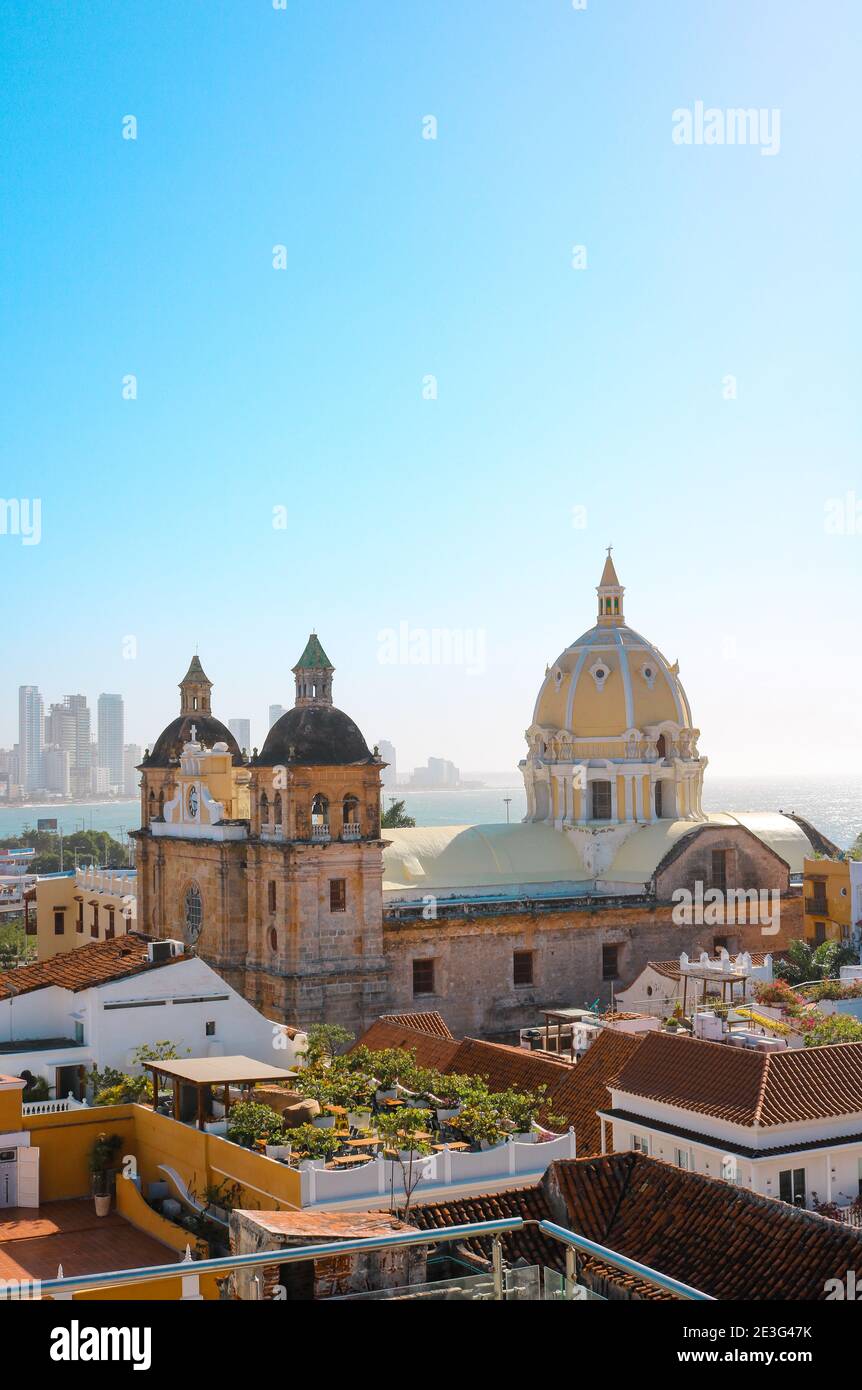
[[274, 867]]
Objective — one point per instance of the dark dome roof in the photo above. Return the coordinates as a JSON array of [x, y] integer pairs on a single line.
[[319, 734], [208, 731]]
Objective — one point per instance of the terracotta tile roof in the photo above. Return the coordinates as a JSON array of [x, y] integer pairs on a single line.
[[528, 1244], [94, 964], [430, 1022], [743, 1085], [717, 1237], [575, 1091], [428, 1050]]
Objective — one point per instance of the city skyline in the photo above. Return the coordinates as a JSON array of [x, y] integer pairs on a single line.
[[486, 319]]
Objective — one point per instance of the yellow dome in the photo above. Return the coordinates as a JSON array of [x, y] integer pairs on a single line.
[[610, 681], [611, 707]]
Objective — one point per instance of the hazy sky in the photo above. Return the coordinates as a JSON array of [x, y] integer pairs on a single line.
[[307, 389]]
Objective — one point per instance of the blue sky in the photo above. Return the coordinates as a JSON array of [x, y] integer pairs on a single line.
[[557, 388]]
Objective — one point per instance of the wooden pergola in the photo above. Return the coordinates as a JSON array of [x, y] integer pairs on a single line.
[[206, 1074], [709, 977]]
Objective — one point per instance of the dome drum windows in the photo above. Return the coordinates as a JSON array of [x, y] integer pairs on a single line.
[[600, 670]]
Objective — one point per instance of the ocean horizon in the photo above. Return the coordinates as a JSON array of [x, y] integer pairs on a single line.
[[832, 805]]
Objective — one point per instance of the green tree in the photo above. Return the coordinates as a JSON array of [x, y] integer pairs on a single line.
[[16, 948], [92, 846], [396, 818], [325, 1041], [403, 1131], [834, 1028], [805, 962]]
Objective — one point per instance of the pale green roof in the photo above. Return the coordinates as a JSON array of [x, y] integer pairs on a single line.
[[314, 658], [430, 858], [496, 857]]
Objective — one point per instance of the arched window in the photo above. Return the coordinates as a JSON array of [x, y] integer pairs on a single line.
[[350, 810], [152, 805], [276, 809], [661, 746], [161, 804], [319, 812], [264, 809]]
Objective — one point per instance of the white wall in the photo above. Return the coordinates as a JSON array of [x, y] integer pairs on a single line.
[[162, 1013]]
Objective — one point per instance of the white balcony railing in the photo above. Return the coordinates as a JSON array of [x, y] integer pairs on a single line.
[[320, 833], [440, 1171], [52, 1107], [351, 832]]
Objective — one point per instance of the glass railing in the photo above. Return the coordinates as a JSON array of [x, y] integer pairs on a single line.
[[530, 1284]]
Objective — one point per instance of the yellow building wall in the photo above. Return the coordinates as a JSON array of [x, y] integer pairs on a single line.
[[64, 1141], [10, 1109], [54, 893], [836, 873]]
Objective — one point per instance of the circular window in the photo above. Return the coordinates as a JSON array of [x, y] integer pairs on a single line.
[[649, 991], [193, 914], [648, 672], [600, 674], [273, 938]]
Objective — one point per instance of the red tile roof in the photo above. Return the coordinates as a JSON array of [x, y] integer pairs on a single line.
[[707, 1233], [428, 1050], [743, 1085], [574, 1091], [95, 964], [430, 1022], [528, 1244]]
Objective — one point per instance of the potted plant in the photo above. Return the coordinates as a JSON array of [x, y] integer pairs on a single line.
[[480, 1123], [102, 1170], [252, 1124], [309, 1144], [360, 1118], [518, 1111]]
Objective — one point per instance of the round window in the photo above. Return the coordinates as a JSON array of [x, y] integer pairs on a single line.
[[193, 914], [600, 674]]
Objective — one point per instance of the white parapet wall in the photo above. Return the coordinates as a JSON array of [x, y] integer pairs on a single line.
[[442, 1175]]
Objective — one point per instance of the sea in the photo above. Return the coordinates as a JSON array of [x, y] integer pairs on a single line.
[[833, 805]]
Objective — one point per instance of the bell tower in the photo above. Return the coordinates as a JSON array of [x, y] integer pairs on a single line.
[[313, 672]]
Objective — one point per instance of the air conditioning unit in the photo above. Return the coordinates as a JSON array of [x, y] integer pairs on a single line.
[[159, 951]]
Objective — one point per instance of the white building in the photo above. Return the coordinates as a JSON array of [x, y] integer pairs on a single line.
[[389, 775], [96, 1005], [785, 1123], [31, 733], [661, 984], [110, 737], [241, 730], [132, 754]]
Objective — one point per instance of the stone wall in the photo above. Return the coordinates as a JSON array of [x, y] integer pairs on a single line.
[[474, 988]]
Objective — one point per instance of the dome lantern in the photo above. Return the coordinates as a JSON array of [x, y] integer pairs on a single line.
[[610, 592], [313, 672]]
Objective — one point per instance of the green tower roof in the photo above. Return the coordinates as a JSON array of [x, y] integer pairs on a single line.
[[314, 658]]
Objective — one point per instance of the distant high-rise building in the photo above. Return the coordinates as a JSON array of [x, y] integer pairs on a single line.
[[241, 730], [68, 726], [110, 737], [131, 759], [389, 775], [275, 713], [439, 772], [57, 770], [31, 734]]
